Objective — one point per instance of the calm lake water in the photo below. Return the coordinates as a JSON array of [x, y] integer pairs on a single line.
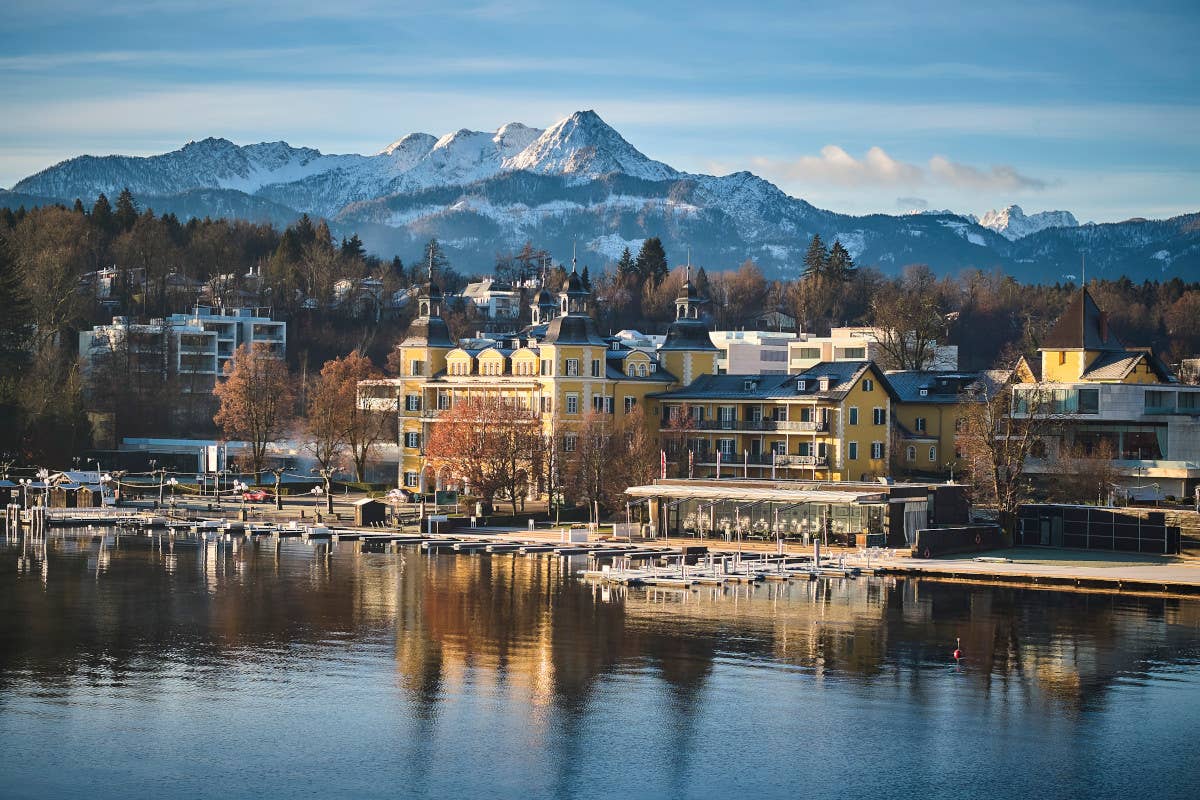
[[202, 671]]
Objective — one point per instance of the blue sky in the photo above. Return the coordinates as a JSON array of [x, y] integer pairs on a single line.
[[855, 106]]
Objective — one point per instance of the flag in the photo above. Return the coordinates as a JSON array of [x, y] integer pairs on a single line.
[[691, 464], [718, 463], [664, 463], [773, 454]]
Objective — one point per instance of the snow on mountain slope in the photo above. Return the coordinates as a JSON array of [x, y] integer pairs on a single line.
[[584, 146], [1013, 224], [207, 164], [581, 182]]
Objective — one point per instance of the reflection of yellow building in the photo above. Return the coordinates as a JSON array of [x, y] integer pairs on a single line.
[[559, 367]]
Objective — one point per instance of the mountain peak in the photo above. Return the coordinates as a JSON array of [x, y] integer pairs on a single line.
[[410, 143], [1012, 223], [584, 146]]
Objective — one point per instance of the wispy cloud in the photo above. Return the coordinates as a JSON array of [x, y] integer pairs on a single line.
[[912, 203], [834, 166]]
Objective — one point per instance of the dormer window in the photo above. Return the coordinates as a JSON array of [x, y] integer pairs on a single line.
[[750, 386], [801, 385], [924, 393], [824, 383]]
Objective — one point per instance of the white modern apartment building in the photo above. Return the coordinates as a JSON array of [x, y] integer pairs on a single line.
[[856, 344], [753, 352], [194, 347]]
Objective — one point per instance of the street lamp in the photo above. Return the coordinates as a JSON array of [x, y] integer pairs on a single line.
[[172, 483], [25, 491], [43, 475]]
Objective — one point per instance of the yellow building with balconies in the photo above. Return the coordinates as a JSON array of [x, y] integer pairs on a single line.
[[559, 366], [831, 422]]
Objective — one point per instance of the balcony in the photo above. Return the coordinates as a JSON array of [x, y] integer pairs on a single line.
[[761, 425], [760, 460]]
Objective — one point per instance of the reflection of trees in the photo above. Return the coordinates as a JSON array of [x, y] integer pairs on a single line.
[[517, 625]]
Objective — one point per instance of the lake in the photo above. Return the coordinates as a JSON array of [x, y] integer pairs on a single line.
[[197, 669]]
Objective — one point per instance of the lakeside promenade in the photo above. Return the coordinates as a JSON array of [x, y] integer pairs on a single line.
[[1099, 571]]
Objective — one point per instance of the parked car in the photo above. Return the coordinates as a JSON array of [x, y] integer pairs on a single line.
[[257, 495]]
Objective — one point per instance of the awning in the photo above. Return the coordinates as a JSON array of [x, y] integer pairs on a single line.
[[738, 494]]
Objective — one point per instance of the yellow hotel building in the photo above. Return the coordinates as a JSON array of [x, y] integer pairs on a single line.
[[559, 366]]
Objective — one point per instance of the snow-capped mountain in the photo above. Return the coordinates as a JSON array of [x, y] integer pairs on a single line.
[[584, 147], [482, 192], [1013, 224]]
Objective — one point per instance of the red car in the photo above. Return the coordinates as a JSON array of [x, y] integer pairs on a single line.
[[256, 495]]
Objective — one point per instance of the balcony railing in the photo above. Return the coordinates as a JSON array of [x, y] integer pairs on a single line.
[[755, 425], [761, 460]]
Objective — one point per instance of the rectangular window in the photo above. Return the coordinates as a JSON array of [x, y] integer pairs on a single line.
[[412, 439], [547, 366], [412, 479], [868, 386], [920, 424], [443, 400], [572, 404], [879, 416], [808, 352], [876, 450], [756, 413], [852, 451], [572, 366], [822, 449], [595, 368], [1159, 402], [804, 449], [1089, 401], [779, 448], [853, 353], [412, 402], [727, 447], [569, 441], [547, 405], [853, 415], [630, 402], [1188, 401], [602, 404], [416, 367]]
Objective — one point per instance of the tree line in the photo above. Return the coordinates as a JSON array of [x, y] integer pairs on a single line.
[[338, 299]]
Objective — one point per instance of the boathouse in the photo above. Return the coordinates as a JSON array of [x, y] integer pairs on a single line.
[[843, 512]]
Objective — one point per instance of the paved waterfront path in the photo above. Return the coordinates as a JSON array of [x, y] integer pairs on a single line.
[[1063, 568]]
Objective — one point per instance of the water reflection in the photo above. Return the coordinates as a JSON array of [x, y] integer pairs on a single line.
[[508, 653]]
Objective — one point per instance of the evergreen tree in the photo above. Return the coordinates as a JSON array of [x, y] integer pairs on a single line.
[[306, 232], [816, 260], [587, 280], [14, 313], [652, 260], [8, 220], [397, 267], [703, 288], [839, 266], [78, 207], [626, 266], [127, 212], [434, 250], [102, 214], [353, 247]]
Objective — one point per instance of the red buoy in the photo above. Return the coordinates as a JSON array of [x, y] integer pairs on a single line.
[[957, 649]]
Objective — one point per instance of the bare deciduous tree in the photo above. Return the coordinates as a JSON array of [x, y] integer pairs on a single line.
[[257, 401], [1003, 424]]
